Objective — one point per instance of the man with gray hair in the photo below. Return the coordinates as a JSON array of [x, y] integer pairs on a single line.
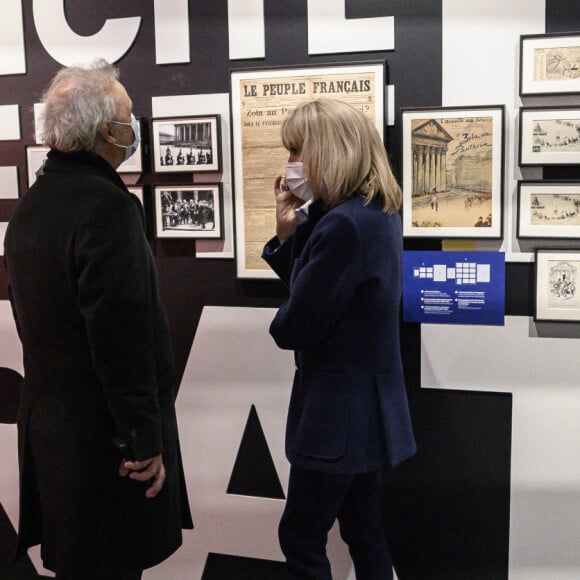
[[101, 481]]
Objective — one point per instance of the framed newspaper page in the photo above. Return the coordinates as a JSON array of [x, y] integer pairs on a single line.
[[557, 292], [550, 64], [453, 161], [261, 100], [549, 136]]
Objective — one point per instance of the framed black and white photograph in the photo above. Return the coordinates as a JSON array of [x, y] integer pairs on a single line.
[[549, 209], [186, 144], [549, 136], [185, 211], [550, 64], [35, 158], [557, 293], [453, 162]]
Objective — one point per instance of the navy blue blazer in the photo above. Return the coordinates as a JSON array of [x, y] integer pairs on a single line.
[[348, 410]]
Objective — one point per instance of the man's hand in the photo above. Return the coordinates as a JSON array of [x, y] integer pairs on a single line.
[[286, 204], [144, 471]]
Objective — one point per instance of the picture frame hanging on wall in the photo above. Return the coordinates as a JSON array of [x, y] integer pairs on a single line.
[[557, 285], [550, 64], [188, 211], [549, 136], [453, 168], [35, 158], [261, 100], [186, 144], [549, 209]]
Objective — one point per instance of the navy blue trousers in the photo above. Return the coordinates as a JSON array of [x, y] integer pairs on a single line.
[[315, 500]]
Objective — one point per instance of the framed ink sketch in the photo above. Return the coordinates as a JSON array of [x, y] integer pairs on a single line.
[[557, 292], [550, 64], [549, 136], [453, 172], [549, 209]]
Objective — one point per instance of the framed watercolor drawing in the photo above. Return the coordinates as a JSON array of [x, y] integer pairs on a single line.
[[549, 209], [550, 64], [35, 158], [557, 292], [186, 211], [261, 99], [186, 144], [549, 136], [453, 172]]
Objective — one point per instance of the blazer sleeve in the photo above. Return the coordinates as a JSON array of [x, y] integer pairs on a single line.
[[115, 278], [321, 285]]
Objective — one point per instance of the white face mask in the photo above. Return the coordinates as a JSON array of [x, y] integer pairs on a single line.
[[130, 149], [297, 181]]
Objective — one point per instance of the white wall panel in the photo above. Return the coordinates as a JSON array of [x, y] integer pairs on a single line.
[[246, 32], [481, 67], [543, 375], [9, 123], [330, 32], [212, 104], [171, 31], [9, 182], [67, 47], [234, 364], [12, 59]]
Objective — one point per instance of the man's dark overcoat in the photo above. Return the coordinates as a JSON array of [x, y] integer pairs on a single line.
[[98, 363]]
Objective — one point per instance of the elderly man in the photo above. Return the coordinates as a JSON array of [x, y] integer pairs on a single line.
[[102, 485]]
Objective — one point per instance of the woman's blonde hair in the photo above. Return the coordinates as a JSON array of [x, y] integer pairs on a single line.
[[342, 153]]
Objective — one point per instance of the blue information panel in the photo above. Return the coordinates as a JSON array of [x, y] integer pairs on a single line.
[[454, 287]]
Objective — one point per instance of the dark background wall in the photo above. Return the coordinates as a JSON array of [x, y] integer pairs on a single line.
[[447, 509]]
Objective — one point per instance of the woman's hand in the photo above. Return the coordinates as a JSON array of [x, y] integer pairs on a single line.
[[286, 204]]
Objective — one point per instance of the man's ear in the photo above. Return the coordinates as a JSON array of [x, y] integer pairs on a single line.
[[106, 133]]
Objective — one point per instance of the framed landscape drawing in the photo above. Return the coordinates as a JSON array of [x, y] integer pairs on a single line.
[[549, 136], [186, 211], [261, 100], [453, 172], [557, 292], [550, 64], [186, 144], [548, 209]]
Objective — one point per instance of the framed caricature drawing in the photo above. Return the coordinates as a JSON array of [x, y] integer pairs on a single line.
[[557, 292]]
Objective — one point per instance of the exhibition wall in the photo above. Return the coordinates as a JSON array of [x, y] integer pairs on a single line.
[[494, 489]]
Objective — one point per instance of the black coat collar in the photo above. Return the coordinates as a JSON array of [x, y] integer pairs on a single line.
[[81, 162]]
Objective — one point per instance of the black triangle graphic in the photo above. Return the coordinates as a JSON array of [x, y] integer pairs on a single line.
[[254, 472]]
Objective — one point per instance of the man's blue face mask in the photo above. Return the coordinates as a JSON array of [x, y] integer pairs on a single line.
[[130, 149]]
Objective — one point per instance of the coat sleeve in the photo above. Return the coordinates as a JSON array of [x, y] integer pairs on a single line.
[[116, 288], [322, 284]]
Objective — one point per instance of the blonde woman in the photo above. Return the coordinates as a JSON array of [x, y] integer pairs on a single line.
[[338, 248]]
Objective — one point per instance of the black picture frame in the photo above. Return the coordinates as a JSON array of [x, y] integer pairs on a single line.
[[549, 136], [453, 171], [188, 211], [549, 64], [172, 136]]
